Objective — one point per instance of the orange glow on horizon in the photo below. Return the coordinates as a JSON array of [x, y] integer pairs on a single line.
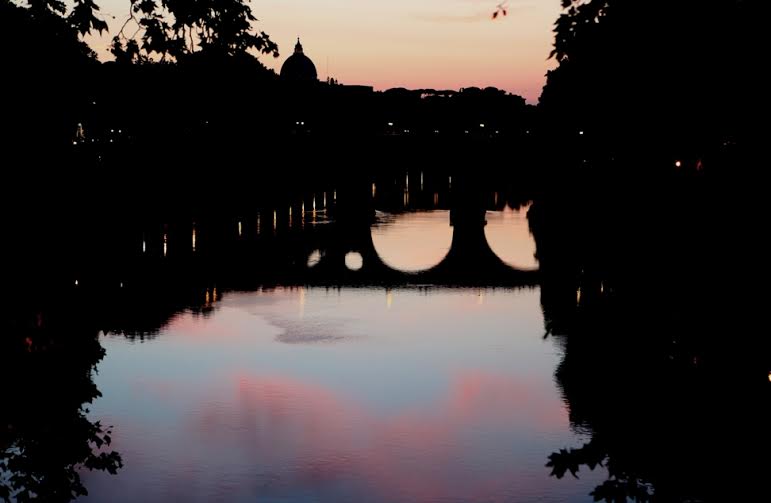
[[417, 45]]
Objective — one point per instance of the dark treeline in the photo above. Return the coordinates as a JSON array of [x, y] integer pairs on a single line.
[[648, 245]]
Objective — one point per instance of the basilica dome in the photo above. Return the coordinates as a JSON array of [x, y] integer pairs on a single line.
[[298, 67]]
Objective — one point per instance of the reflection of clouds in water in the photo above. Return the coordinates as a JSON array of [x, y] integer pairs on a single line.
[[311, 331], [284, 309], [325, 438]]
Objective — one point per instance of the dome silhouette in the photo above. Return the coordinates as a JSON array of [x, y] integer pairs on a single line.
[[298, 67]]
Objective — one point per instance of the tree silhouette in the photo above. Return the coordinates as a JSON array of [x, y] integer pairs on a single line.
[[82, 18], [653, 72], [177, 29], [46, 362]]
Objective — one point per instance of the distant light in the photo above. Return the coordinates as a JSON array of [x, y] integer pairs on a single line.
[[74, 143], [121, 284], [466, 132], [581, 133], [120, 131], [76, 282], [678, 164], [112, 130], [406, 130], [391, 124], [302, 123], [481, 125], [110, 140], [527, 132], [497, 132], [93, 102], [769, 377], [436, 131]]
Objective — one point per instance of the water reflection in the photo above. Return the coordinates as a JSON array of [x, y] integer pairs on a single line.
[[412, 241], [508, 234], [354, 261], [289, 394]]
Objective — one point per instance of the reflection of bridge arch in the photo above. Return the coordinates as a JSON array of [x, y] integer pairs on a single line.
[[412, 242], [274, 246], [501, 225], [470, 259]]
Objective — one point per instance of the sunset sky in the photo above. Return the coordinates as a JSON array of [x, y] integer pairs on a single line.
[[443, 44]]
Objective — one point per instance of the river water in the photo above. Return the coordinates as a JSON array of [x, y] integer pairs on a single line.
[[399, 394]]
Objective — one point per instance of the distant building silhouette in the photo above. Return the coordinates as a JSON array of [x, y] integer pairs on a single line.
[[298, 67]]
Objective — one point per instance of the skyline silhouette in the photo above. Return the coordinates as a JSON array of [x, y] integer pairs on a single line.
[[373, 43]]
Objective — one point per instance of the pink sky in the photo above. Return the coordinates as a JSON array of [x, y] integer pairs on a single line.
[[444, 44]]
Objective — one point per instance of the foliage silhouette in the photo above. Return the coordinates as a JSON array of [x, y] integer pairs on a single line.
[[668, 75], [659, 351], [47, 438], [178, 29]]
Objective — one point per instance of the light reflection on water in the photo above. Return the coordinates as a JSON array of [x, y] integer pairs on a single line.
[[340, 395], [412, 241], [508, 234], [417, 241]]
